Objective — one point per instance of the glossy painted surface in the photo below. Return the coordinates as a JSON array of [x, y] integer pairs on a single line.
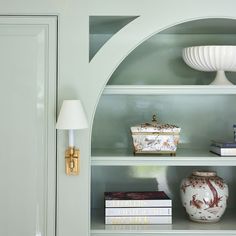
[[113, 121], [159, 61], [28, 75], [80, 79], [151, 178], [167, 89], [181, 226], [102, 28], [201, 118]]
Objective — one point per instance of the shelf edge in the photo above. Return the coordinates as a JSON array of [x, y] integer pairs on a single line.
[[165, 89]]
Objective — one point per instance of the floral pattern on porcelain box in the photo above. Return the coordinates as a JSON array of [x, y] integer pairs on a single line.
[[204, 196], [155, 143], [155, 138]]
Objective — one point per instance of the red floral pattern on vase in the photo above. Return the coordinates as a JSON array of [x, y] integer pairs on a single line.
[[204, 196]]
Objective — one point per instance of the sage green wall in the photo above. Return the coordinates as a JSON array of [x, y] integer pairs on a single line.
[[201, 118], [152, 178], [72, 67], [77, 78], [27, 134], [159, 60]]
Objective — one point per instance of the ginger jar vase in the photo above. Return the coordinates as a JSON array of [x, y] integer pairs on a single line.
[[204, 196]]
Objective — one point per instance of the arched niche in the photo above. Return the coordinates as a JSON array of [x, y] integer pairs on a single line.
[[157, 61]]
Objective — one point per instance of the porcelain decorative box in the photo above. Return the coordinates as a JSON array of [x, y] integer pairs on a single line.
[[155, 138]]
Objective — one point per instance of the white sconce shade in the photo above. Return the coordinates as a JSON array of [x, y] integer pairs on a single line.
[[71, 116]]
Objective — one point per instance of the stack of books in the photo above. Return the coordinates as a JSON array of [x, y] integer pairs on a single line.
[[138, 208], [223, 148]]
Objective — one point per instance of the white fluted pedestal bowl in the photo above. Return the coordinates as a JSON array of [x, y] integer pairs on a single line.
[[212, 58]]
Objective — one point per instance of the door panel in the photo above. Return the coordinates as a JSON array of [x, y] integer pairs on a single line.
[[27, 133]]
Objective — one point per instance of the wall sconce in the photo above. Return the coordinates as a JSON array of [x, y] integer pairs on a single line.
[[71, 118]]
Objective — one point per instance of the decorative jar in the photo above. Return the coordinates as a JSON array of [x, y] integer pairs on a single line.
[[155, 138], [204, 196]]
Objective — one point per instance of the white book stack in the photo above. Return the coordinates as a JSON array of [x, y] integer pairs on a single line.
[[223, 148], [138, 208]]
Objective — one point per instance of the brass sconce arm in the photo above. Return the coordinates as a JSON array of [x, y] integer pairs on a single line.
[[72, 161]]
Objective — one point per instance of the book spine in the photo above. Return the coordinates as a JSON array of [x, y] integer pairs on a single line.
[[223, 151], [225, 145], [228, 151], [139, 203], [165, 211], [138, 220]]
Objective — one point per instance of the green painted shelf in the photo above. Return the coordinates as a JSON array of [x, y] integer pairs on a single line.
[[181, 226], [171, 90], [154, 78], [184, 157]]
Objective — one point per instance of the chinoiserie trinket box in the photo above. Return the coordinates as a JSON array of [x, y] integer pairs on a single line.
[[155, 138]]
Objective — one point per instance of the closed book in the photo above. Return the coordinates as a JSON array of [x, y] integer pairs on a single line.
[[137, 199], [137, 211], [223, 151], [138, 220], [224, 144]]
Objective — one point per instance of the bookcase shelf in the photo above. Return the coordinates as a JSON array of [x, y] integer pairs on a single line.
[[154, 79], [184, 157], [164, 89], [181, 226]]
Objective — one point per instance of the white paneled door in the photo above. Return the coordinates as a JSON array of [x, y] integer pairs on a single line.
[[28, 57]]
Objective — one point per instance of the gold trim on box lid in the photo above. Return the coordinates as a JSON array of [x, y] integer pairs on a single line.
[[155, 128], [156, 133]]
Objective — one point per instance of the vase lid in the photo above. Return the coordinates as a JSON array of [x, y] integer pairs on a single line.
[[204, 173]]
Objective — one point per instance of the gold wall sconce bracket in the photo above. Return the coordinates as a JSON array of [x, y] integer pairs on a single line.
[[72, 157]]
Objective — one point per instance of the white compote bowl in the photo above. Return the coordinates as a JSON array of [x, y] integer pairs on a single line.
[[212, 58]]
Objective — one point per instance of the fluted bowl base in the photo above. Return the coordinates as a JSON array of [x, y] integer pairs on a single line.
[[221, 79]]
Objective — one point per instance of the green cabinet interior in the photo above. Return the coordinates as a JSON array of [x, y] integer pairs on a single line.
[[202, 117], [158, 60], [152, 178]]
